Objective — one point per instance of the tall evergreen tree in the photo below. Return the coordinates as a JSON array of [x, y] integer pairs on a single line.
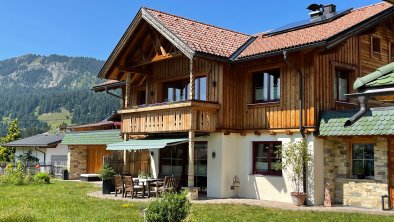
[[7, 154]]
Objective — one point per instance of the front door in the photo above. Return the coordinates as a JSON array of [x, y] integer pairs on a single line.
[[391, 171]]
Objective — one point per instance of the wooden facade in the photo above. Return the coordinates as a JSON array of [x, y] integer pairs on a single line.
[[229, 106]]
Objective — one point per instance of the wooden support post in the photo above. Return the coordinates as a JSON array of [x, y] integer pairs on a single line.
[[190, 174], [147, 93], [125, 160], [192, 84], [128, 91]]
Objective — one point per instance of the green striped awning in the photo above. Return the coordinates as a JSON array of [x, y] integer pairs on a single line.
[[99, 137], [141, 144]]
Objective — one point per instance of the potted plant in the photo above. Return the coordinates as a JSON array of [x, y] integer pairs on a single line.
[[295, 157], [106, 173]]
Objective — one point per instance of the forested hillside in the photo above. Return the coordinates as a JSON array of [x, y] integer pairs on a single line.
[[33, 85]]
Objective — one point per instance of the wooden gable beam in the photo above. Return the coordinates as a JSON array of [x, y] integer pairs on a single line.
[[158, 58], [141, 81], [132, 69]]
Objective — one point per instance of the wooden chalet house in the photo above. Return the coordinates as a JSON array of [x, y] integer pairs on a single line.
[[213, 103]]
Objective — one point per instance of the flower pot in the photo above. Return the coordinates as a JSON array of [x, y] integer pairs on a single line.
[[298, 198], [108, 186]]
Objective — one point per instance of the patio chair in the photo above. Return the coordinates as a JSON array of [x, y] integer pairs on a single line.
[[119, 185], [131, 187], [170, 184]]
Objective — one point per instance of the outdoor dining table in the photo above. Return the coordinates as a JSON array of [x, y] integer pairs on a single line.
[[148, 183]]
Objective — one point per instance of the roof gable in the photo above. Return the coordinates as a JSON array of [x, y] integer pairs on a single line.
[[202, 37]]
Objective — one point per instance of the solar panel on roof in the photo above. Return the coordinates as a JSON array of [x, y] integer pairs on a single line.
[[308, 22]]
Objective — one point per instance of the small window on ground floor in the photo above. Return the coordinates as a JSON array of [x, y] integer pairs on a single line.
[[363, 161], [265, 158]]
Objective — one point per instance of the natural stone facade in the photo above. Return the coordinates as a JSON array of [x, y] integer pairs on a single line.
[[77, 161], [337, 174]]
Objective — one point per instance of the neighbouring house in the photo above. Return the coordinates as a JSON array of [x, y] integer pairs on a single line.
[[45, 147], [209, 104], [87, 146]]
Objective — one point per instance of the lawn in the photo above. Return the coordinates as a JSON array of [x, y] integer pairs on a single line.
[[67, 201]]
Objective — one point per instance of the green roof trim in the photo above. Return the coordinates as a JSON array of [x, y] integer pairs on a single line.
[[141, 144], [377, 121], [385, 80], [98, 137], [374, 76]]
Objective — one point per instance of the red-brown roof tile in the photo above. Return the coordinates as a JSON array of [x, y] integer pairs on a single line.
[[265, 43], [202, 37]]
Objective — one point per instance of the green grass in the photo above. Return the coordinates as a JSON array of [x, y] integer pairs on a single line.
[[55, 119], [67, 201]]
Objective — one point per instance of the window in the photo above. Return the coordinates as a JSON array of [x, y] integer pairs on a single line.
[[341, 84], [363, 161], [266, 86], [265, 158], [376, 45], [141, 96], [392, 51], [179, 90]]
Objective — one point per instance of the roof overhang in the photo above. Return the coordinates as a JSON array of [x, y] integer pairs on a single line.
[[110, 86], [141, 144], [143, 14]]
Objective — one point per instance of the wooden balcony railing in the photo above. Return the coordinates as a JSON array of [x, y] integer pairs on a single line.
[[181, 116]]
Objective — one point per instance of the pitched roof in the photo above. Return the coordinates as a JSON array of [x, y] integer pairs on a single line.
[[377, 121], [202, 37], [40, 140], [314, 34], [99, 137]]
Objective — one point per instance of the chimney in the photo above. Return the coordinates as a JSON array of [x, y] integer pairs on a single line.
[[321, 12], [331, 8]]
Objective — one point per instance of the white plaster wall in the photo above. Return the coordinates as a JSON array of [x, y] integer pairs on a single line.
[[234, 155], [59, 150], [315, 186], [22, 150], [154, 162]]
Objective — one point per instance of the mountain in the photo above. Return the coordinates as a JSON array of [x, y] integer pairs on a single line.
[[44, 92], [52, 71]]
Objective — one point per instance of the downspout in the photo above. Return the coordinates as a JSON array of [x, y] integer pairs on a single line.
[[363, 108], [300, 89], [42, 153], [112, 94]]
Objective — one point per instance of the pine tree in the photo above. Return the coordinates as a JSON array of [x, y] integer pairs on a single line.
[[7, 153]]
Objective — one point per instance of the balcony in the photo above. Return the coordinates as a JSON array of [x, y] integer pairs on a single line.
[[182, 116]]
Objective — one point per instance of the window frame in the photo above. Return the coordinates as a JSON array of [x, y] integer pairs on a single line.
[[347, 74], [372, 45], [391, 51], [262, 72], [270, 171], [353, 175], [185, 82]]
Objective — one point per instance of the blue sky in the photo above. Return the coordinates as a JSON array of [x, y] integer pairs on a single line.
[[92, 28]]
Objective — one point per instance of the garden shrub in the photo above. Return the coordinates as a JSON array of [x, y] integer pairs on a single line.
[[172, 207], [18, 176], [42, 178]]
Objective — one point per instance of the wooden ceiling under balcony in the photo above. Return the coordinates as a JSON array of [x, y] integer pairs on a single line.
[[144, 47]]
